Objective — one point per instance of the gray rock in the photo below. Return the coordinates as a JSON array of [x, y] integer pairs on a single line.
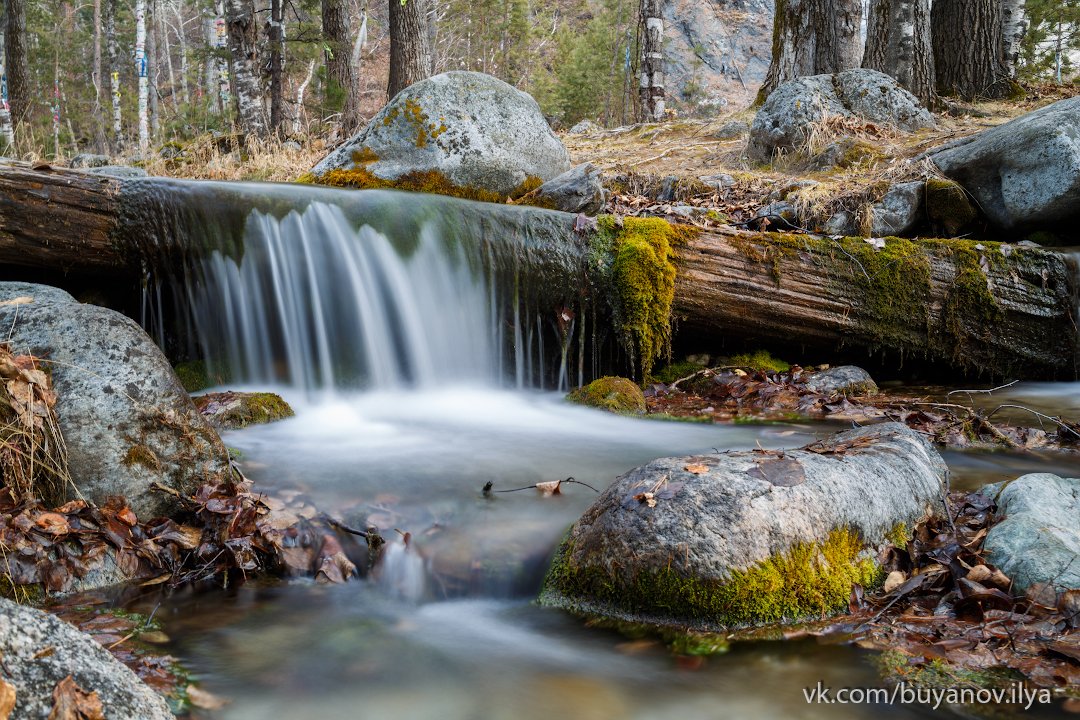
[[474, 130], [1025, 173], [292, 145], [585, 127], [721, 181], [787, 119], [747, 537], [126, 420], [578, 190], [171, 151], [1038, 541], [899, 211], [89, 160], [40, 650], [731, 130], [120, 171], [842, 380], [794, 187], [843, 153], [841, 223], [780, 213]]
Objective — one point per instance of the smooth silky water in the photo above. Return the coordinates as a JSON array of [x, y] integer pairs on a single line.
[[421, 369]]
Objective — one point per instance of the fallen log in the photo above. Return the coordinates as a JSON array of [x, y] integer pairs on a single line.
[[983, 307]]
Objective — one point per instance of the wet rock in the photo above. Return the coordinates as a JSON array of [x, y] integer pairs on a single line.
[[467, 129], [89, 160], [790, 114], [1025, 173], [1038, 537], [615, 394], [948, 207], [126, 420], [899, 211], [235, 410], [748, 537], [40, 650], [578, 190], [842, 380], [120, 171]]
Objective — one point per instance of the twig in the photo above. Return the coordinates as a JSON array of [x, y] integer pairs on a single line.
[[534, 487], [1056, 420], [987, 392]]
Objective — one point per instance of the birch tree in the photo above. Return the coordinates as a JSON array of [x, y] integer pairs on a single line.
[[96, 77], [651, 90], [7, 132], [811, 37], [898, 43], [410, 44], [109, 22], [276, 31], [1013, 26], [17, 65], [243, 70], [141, 73]]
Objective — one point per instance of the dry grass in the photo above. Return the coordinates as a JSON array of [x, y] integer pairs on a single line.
[[229, 158]]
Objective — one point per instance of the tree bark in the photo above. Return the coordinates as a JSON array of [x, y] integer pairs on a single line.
[[1014, 25], [410, 44], [898, 43], [341, 85], [651, 91], [99, 111], [7, 131], [968, 49], [243, 68], [17, 66], [109, 21], [812, 37], [276, 32]]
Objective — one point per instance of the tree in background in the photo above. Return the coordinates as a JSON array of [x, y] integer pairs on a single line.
[[651, 69], [7, 131], [1052, 37], [898, 43], [17, 64], [242, 37], [811, 37], [410, 44], [338, 42], [969, 52]]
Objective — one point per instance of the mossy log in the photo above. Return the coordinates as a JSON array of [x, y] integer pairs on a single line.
[[58, 219], [986, 307]]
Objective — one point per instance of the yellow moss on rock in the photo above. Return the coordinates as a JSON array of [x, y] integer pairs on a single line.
[[809, 580], [615, 394]]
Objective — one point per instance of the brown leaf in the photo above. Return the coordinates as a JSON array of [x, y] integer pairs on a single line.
[[549, 488], [782, 471], [53, 523], [205, 700], [7, 699], [697, 469], [71, 702]]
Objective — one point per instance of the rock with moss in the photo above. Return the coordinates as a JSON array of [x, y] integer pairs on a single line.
[[747, 538], [40, 651], [948, 207], [233, 410], [615, 394], [842, 380], [1037, 539], [1024, 173], [128, 424], [795, 111], [458, 133], [578, 190]]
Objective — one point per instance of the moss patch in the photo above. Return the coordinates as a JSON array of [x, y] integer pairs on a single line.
[[676, 371], [142, 455], [809, 580], [758, 360], [637, 255], [948, 206], [615, 394], [194, 375], [898, 536], [232, 410]]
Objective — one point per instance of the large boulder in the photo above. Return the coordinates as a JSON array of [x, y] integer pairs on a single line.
[[1038, 537], [742, 538], [789, 116], [1025, 173], [463, 133], [578, 190], [127, 422], [39, 651]]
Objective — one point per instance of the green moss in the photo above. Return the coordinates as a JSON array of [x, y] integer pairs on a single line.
[[637, 254], [970, 308], [948, 206], [615, 394], [193, 375], [30, 595], [898, 536], [809, 580], [668, 417], [142, 455], [427, 181], [676, 371], [938, 674], [758, 360], [238, 410]]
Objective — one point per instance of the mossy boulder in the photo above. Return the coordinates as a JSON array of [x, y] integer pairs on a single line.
[[459, 133], [233, 410], [615, 394], [948, 207], [842, 380], [747, 538]]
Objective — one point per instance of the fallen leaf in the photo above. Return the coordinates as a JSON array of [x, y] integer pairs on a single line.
[[549, 488], [7, 699], [23, 300], [53, 523], [697, 469], [894, 580], [71, 702], [205, 700]]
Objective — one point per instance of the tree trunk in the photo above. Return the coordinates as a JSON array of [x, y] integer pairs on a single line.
[[17, 66], [968, 52], [100, 142], [812, 37], [153, 68], [277, 63], [1013, 28], [141, 71], [651, 92], [340, 83], [410, 44], [109, 21], [243, 68], [7, 131], [898, 43]]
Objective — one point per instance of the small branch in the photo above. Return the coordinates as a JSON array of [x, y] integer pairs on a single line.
[[987, 392], [488, 486]]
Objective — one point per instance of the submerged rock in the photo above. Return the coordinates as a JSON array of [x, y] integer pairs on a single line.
[[842, 380], [234, 410], [791, 113], [1038, 537], [578, 190], [748, 537], [1025, 173], [126, 420], [615, 394], [40, 650], [458, 133]]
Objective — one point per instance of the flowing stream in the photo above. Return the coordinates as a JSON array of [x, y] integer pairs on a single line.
[[423, 359]]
